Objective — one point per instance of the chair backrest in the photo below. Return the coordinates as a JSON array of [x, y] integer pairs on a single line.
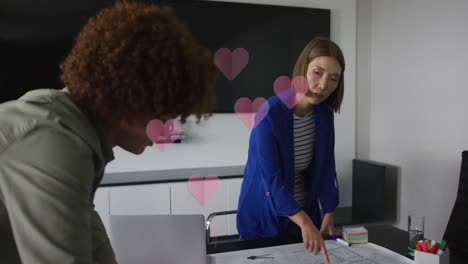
[[209, 220], [375, 188], [456, 233]]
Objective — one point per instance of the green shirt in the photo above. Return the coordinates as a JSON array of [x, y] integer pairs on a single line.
[[52, 158]]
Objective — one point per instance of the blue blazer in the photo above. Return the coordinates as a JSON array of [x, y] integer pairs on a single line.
[[266, 198]]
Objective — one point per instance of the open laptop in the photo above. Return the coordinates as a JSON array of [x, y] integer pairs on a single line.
[[161, 239]]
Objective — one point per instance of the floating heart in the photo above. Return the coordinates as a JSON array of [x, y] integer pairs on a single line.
[[203, 188], [231, 64], [290, 92], [251, 113], [160, 134]]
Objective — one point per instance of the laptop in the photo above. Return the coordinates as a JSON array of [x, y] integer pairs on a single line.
[[161, 239]]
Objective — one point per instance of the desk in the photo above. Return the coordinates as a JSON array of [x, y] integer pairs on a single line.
[[383, 235]]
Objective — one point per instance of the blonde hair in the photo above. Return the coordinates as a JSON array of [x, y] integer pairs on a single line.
[[317, 47]]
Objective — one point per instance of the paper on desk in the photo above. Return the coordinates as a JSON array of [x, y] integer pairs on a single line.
[[296, 254]]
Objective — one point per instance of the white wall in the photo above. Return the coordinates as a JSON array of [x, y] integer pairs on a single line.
[[223, 140], [418, 102], [363, 71]]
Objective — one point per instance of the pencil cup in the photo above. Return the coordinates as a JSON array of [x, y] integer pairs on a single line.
[[429, 258]]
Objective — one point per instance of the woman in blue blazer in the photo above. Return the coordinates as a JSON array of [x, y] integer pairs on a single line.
[[268, 205]]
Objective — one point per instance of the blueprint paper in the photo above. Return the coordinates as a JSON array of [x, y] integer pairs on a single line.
[[296, 254]]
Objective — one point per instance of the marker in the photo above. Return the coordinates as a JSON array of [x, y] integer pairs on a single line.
[[442, 246], [434, 249], [418, 246], [429, 245], [424, 246], [341, 241]]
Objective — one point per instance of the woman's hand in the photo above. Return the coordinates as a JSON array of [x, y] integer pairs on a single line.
[[311, 237], [328, 228]]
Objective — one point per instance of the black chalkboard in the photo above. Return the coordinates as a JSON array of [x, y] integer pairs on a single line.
[[273, 36], [36, 35]]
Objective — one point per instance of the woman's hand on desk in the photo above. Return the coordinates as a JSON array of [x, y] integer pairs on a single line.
[[311, 236], [328, 228]]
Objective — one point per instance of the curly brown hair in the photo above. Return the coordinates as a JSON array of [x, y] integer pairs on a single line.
[[135, 60]]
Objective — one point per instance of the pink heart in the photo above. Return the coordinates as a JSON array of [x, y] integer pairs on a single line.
[[251, 113], [203, 188], [160, 134], [290, 92], [231, 64]]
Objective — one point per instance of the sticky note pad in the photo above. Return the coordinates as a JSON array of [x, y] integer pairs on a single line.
[[355, 235]]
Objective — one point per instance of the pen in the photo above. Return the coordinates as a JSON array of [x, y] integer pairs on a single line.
[[260, 257], [341, 241], [442, 246]]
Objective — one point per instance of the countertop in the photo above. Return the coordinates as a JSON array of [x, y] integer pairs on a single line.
[[166, 176]]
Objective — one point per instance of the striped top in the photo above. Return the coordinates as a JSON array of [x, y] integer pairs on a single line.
[[304, 137]]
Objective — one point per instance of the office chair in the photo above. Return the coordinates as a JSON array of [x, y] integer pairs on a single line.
[[209, 220], [456, 233]]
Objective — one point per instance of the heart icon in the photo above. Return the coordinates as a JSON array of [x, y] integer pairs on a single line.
[[290, 92], [203, 188], [251, 113], [160, 133], [231, 64]]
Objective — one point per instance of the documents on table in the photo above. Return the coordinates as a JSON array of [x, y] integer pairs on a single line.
[[296, 254]]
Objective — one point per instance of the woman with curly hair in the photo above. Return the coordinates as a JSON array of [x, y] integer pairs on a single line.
[[131, 63]]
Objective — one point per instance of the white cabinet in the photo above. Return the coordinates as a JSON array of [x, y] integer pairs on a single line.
[[185, 202], [234, 186], [173, 198]]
